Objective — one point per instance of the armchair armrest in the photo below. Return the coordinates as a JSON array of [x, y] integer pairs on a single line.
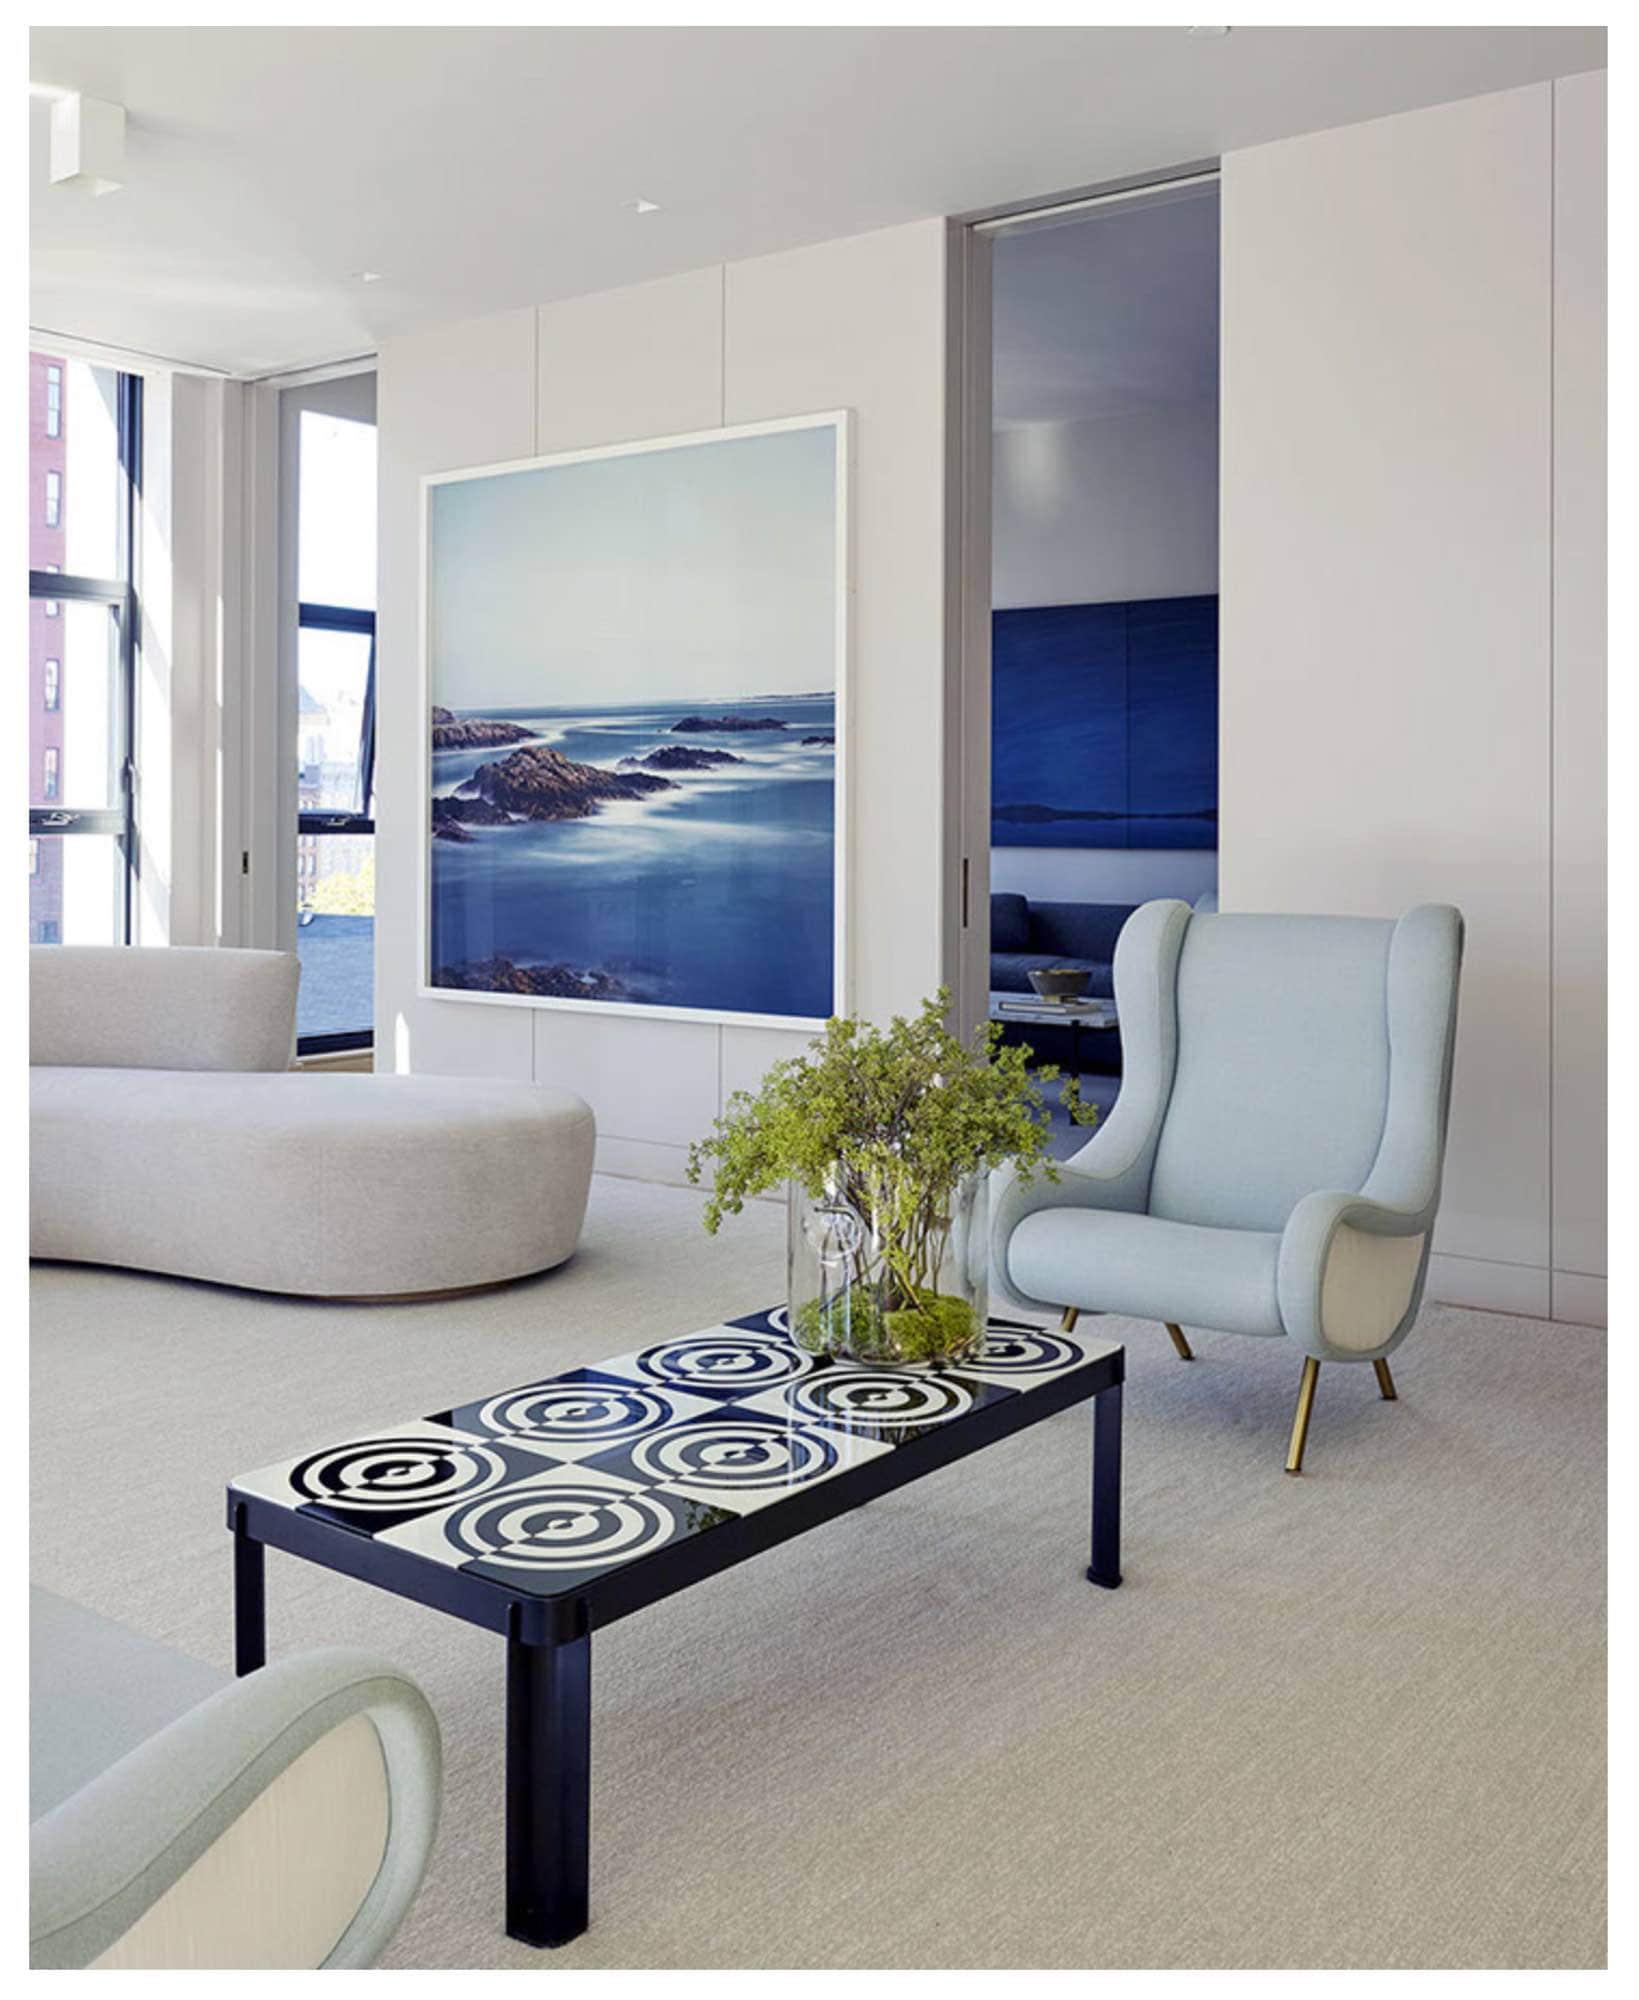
[[286, 1821], [1350, 1274]]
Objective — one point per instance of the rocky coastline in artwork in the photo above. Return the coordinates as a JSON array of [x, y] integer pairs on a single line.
[[451, 733], [697, 725], [680, 757], [550, 982], [630, 853], [537, 783]]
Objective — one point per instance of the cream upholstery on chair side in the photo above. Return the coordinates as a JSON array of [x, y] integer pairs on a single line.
[[1367, 1288], [284, 1881]]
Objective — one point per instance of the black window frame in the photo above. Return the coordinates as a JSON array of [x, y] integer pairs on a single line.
[[344, 618], [119, 593]]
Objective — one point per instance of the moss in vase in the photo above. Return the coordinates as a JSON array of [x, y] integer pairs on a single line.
[[936, 1328]]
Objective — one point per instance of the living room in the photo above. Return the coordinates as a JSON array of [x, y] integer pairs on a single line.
[[521, 679]]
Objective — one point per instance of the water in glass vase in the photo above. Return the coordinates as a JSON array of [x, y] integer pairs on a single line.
[[888, 1271]]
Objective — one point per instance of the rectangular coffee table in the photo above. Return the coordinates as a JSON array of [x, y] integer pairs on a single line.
[[550, 1510]]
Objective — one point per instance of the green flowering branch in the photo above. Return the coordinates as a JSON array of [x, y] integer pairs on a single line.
[[890, 1122]]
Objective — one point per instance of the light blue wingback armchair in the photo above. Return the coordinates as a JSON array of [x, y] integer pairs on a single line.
[[1272, 1164]]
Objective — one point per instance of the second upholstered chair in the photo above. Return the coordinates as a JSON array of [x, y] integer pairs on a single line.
[[1272, 1165]]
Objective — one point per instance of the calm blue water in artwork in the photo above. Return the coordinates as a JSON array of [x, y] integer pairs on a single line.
[[718, 894], [1105, 725]]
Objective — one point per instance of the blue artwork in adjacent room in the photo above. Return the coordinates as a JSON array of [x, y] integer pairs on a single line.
[[1104, 725]]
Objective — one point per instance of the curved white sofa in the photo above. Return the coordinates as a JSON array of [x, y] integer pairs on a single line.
[[170, 1133]]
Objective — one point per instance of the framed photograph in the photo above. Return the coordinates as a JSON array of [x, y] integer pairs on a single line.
[[635, 698]]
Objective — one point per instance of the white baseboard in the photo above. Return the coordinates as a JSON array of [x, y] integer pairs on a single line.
[[1579, 1298], [643, 1160], [1494, 1287]]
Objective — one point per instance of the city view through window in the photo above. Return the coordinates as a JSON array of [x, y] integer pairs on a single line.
[[335, 728], [83, 431]]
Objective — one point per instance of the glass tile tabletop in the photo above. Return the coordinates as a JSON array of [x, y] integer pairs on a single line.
[[547, 1488]]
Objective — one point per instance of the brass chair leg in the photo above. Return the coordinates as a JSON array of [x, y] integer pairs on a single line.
[[1300, 1421], [1068, 1323], [1385, 1382], [1185, 1351]]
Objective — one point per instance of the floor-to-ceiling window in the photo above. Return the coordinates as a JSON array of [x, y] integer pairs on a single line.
[[335, 448], [84, 478]]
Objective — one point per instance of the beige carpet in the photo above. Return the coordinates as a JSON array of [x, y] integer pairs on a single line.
[[1355, 1719]]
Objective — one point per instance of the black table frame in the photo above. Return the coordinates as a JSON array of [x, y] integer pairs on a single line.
[[549, 1639]]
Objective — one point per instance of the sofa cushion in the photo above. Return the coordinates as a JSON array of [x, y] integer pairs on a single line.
[[1010, 972], [1078, 932], [1105, 1260], [335, 1186], [1009, 924], [167, 1007]]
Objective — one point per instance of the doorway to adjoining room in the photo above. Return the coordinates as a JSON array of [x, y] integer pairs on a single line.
[[1104, 594]]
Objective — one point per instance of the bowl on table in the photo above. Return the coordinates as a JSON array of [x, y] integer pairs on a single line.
[[1059, 982]]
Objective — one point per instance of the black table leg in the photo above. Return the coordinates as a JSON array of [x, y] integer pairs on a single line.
[[249, 1600], [548, 1788], [1106, 1564]]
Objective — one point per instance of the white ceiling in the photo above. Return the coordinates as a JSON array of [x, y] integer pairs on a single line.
[[484, 168], [1108, 315]]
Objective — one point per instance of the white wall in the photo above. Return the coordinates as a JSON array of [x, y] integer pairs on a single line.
[[1102, 512], [1102, 874], [858, 324], [1579, 1027], [1389, 685], [1107, 510]]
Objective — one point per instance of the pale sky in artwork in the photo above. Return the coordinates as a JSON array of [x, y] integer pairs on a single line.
[[703, 572]]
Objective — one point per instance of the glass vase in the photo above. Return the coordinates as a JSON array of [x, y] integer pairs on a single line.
[[886, 1272]]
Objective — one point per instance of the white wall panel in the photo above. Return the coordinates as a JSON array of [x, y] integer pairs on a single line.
[[1385, 580], [448, 397], [646, 361], [860, 325], [857, 325], [1100, 512], [1579, 1027], [654, 1080]]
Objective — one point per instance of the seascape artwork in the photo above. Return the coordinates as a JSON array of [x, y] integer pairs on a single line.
[[1105, 725], [633, 676]]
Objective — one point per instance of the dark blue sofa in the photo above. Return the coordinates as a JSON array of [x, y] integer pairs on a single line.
[[1026, 935]]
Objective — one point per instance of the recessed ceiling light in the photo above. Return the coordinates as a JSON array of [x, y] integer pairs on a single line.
[[643, 206], [368, 277], [1211, 34]]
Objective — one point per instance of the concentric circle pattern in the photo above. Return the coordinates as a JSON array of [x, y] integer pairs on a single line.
[[736, 1457], [573, 1526], [393, 1472], [1024, 1351], [744, 1362], [881, 1402], [576, 1413]]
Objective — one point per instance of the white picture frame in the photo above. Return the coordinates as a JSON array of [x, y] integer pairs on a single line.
[[839, 422]]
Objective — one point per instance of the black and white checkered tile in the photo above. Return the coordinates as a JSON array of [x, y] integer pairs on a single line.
[[548, 1486]]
